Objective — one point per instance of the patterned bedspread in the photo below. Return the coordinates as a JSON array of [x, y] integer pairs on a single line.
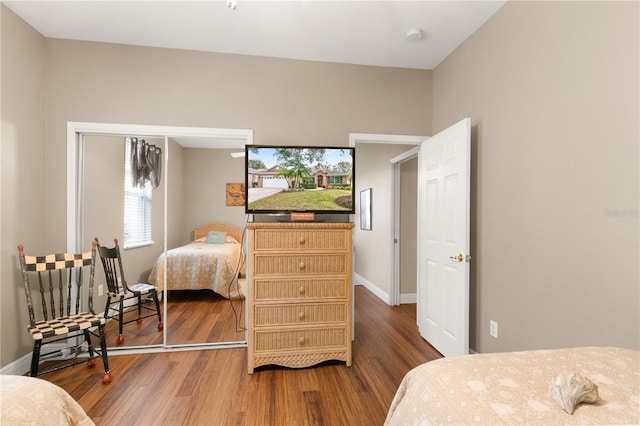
[[513, 388], [31, 401], [198, 266]]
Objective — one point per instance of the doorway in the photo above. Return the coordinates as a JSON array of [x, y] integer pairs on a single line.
[[443, 236], [405, 224], [389, 198]]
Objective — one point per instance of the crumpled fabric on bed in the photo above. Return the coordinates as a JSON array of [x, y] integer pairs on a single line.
[[513, 388], [31, 401]]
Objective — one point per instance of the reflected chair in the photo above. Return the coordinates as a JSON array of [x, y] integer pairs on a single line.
[[59, 279], [119, 291]]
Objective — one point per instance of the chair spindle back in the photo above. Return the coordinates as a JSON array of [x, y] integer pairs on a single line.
[[56, 275], [113, 269]]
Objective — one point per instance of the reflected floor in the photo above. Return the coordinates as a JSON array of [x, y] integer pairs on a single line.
[[193, 316], [202, 316]]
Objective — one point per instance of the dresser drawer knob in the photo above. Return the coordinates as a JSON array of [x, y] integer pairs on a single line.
[[301, 340], [301, 290], [301, 315], [302, 240], [301, 265]]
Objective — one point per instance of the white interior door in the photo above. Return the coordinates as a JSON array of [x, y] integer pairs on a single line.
[[443, 243]]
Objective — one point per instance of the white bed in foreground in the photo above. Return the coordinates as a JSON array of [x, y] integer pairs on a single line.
[[513, 388], [31, 401]]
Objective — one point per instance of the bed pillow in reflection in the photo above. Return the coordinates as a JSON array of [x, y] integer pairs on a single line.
[[216, 237]]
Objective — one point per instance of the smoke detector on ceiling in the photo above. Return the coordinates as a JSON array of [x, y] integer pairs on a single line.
[[414, 34]]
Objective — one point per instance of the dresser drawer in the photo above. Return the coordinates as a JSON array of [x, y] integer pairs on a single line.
[[278, 264], [302, 338], [299, 293], [266, 289], [300, 239], [311, 313]]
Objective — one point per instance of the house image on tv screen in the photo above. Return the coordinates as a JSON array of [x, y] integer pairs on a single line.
[[285, 179]]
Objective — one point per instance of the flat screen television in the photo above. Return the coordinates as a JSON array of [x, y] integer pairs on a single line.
[[312, 179]]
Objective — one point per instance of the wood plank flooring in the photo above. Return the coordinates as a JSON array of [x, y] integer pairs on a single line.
[[185, 310], [212, 387]]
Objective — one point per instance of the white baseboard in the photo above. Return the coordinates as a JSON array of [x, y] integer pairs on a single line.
[[23, 364], [408, 298], [381, 294], [18, 367]]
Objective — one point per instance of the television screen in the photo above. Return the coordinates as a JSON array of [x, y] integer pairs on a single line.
[[284, 179]]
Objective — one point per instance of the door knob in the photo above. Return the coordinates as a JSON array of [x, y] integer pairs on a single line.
[[459, 257]]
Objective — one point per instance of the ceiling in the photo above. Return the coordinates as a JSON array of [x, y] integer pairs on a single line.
[[353, 32]]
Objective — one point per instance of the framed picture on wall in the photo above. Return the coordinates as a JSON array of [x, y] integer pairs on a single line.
[[365, 209], [235, 194]]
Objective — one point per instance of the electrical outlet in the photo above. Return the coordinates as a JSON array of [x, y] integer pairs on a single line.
[[100, 289], [493, 328]]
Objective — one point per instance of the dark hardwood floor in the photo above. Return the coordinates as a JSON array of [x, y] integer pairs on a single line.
[[212, 387]]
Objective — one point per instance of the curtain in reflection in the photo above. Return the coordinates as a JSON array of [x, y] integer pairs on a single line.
[[146, 162]]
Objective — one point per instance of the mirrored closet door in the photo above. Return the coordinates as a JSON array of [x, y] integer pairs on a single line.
[[202, 299], [205, 256], [106, 191]]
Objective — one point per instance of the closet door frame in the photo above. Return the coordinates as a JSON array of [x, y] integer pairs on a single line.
[[76, 131]]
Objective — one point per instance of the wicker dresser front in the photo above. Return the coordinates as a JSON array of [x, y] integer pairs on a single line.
[[299, 294]]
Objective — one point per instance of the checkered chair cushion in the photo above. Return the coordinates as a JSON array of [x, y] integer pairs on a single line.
[[134, 290], [65, 325]]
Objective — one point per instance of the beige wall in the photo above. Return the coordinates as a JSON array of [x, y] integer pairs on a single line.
[[104, 207], [206, 174], [176, 236], [23, 172], [552, 91], [408, 227], [283, 101], [373, 250]]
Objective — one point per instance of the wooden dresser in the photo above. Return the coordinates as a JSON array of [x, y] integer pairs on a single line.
[[299, 298]]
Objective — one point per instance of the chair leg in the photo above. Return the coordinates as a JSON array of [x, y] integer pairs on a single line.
[[139, 320], [155, 299], [107, 309], [106, 379], [35, 358], [120, 322], [87, 338]]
